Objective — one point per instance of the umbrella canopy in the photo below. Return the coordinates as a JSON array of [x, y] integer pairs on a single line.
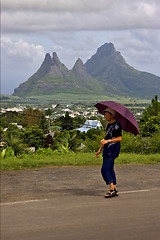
[[123, 115]]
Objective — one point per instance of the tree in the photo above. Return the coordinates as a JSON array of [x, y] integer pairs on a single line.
[[31, 117], [78, 121], [150, 121], [155, 106], [34, 137], [48, 112], [3, 122], [12, 130], [9, 117], [44, 124], [67, 122], [151, 126], [48, 141], [151, 110]]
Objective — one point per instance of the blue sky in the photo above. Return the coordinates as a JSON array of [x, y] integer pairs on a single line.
[[75, 29]]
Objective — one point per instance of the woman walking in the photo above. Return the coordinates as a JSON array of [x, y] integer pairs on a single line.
[[111, 148]]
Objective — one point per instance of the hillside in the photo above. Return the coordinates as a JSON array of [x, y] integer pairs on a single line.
[[105, 73]]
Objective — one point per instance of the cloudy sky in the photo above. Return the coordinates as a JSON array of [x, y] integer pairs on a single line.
[[75, 29]]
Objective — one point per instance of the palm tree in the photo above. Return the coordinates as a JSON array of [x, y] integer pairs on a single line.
[[17, 145], [66, 141]]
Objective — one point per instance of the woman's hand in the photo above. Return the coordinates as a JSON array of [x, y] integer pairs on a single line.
[[103, 141], [96, 154]]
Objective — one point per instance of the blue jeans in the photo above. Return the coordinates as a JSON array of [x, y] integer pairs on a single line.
[[107, 170]]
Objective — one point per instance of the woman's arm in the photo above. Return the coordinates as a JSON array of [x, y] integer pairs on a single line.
[[103, 141], [117, 139], [99, 151]]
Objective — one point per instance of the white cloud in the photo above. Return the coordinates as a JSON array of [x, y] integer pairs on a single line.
[[144, 6], [48, 15], [20, 60], [140, 48], [21, 49], [60, 5]]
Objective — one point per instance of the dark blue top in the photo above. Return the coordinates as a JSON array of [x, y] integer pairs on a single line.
[[114, 130]]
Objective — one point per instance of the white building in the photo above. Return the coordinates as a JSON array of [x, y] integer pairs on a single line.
[[89, 124]]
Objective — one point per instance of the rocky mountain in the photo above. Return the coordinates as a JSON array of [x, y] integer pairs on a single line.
[[105, 73], [110, 69]]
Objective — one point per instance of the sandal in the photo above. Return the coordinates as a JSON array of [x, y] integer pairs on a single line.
[[111, 193], [116, 192]]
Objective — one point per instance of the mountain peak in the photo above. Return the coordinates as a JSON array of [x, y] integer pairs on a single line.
[[107, 48], [47, 56], [78, 63], [47, 59], [79, 69], [56, 60], [103, 60]]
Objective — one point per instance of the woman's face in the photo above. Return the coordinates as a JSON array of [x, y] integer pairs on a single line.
[[108, 116]]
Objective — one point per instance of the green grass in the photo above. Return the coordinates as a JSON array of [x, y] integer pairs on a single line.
[[69, 97], [71, 159], [127, 158], [64, 98]]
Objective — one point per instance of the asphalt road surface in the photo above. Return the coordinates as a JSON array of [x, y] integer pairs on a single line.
[[68, 203]]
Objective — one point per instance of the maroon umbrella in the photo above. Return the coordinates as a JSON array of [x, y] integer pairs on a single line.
[[123, 115]]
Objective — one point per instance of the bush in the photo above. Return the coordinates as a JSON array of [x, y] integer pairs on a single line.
[[92, 138], [34, 137], [44, 151], [139, 144], [91, 145], [7, 152], [18, 146], [155, 143], [151, 126]]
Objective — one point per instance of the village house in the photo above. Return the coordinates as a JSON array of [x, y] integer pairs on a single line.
[[89, 124]]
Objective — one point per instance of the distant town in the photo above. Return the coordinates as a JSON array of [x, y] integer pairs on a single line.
[[57, 110]]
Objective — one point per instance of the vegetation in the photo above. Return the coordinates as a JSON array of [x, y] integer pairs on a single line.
[[67, 143], [45, 158]]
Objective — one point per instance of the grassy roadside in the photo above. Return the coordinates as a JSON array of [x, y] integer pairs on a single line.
[[72, 159]]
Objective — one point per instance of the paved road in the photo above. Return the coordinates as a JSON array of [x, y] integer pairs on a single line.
[[68, 203]]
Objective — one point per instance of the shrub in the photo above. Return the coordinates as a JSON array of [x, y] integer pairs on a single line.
[[44, 151], [34, 137], [151, 126], [17, 144], [139, 144], [7, 152], [155, 143]]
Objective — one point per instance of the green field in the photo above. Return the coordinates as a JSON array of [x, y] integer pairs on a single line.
[[68, 98], [63, 98], [71, 159]]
